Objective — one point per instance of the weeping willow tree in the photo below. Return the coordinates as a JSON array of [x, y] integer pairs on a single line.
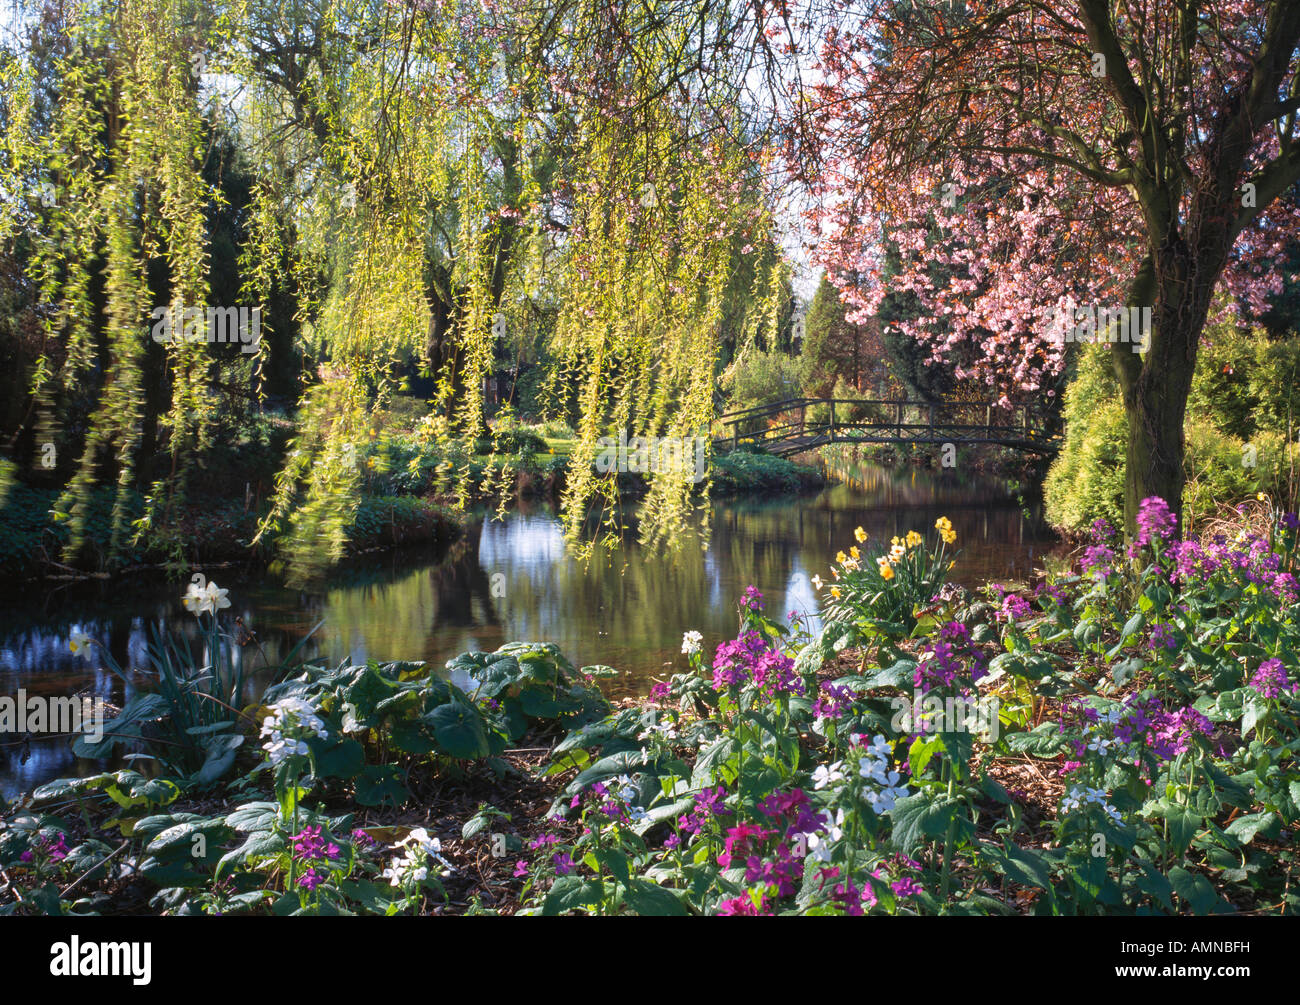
[[432, 178], [470, 168], [102, 168]]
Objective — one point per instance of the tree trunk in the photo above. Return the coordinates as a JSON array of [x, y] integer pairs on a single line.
[[1154, 457], [1181, 281]]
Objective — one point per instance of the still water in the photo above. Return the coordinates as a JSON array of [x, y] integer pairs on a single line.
[[511, 580]]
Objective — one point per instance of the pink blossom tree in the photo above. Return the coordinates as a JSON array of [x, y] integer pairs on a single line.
[[1047, 154]]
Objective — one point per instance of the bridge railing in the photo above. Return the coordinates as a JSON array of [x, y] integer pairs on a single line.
[[900, 418]]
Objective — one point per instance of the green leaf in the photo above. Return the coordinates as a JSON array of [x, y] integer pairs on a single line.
[[1246, 828], [128, 726], [651, 900], [337, 758], [1125, 670], [1133, 626], [256, 816], [1157, 884], [219, 755], [460, 731], [569, 893], [1026, 867], [919, 816], [379, 784], [1195, 890]]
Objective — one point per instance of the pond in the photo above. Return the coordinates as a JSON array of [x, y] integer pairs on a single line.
[[511, 580]]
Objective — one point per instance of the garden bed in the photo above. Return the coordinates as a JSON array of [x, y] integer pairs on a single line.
[[1119, 740]]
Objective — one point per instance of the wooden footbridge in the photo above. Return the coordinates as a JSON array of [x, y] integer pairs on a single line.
[[798, 424]]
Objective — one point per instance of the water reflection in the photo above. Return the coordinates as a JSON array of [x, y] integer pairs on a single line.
[[512, 580]]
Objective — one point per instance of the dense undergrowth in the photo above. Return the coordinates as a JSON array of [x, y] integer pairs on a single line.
[[869, 769]]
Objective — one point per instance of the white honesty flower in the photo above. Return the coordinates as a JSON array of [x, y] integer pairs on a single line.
[[827, 774]]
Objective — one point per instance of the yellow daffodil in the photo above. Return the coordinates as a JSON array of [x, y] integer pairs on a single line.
[[886, 571], [942, 524], [840, 557], [913, 539], [949, 536], [854, 552], [896, 542], [835, 592], [860, 534]]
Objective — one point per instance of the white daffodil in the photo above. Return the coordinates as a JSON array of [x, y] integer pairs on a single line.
[[79, 642], [817, 582], [215, 598], [195, 599]]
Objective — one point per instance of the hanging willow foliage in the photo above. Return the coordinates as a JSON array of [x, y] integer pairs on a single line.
[[108, 165], [432, 179]]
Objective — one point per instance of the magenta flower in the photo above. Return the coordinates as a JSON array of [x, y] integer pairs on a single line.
[[58, 851], [743, 906], [1161, 638], [1155, 520], [906, 887], [1098, 559], [1271, 681], [1014, 608]]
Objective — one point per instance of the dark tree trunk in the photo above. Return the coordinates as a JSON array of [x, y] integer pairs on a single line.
[[1180, 279]]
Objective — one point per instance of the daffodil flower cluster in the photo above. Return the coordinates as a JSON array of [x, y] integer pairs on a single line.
[[205, 599]]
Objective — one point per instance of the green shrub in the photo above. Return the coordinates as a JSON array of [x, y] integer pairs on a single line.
[[1244, 394], [1087, 479], [762, 378], [843, 390], [742, 471], [1215, 472]]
